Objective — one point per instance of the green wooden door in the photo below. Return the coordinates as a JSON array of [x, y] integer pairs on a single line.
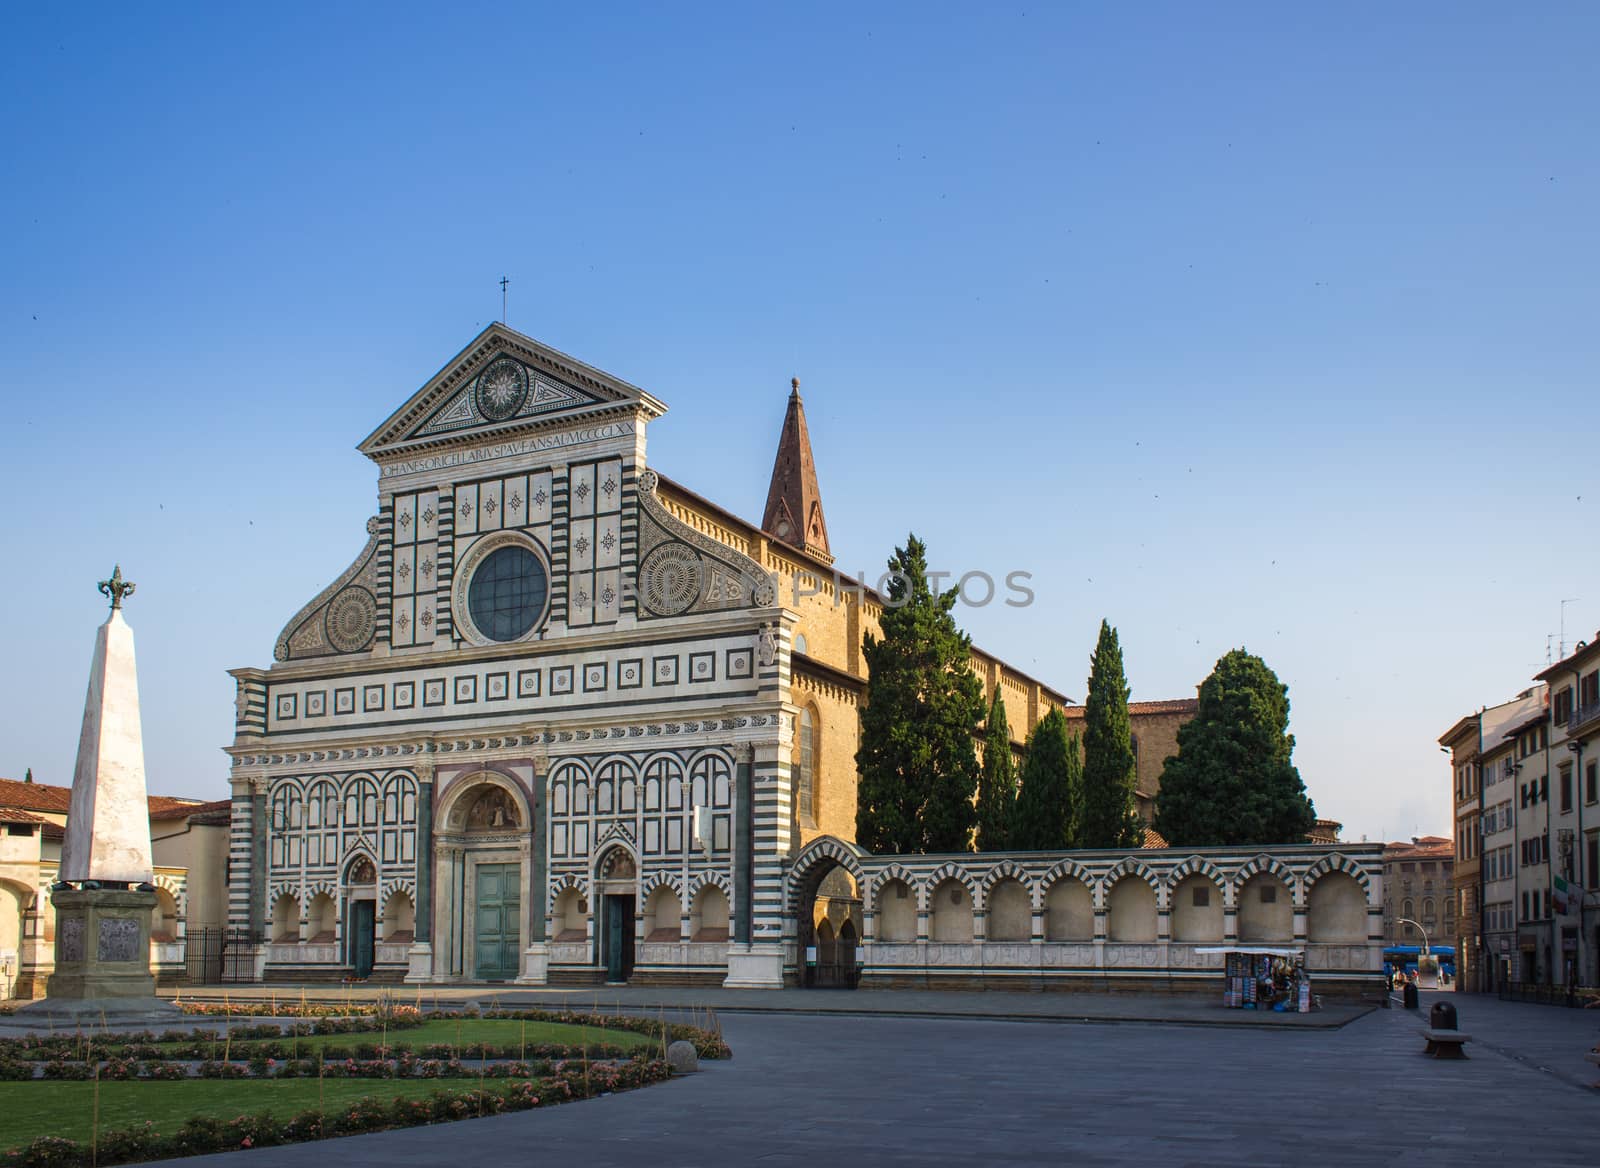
[[363, 929], [496, 934]]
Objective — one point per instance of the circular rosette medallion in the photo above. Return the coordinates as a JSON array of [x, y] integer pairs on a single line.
[[670, 579], [352, 619], [501, 390]]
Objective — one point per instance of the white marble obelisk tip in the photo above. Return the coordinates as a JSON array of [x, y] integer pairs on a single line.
[[108, 826]]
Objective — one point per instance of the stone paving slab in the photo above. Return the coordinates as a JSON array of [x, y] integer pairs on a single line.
[[885, 1090]]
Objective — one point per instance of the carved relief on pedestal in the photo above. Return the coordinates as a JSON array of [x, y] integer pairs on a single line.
[[69, 939], [119, 939]]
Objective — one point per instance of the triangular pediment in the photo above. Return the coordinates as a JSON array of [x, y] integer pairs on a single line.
[[503, 383]]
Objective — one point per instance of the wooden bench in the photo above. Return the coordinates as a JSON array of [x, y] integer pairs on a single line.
[[1446, 1044]]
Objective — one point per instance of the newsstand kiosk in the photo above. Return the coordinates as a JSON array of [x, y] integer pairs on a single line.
[[1261, 978]]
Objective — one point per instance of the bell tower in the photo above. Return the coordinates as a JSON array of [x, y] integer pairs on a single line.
[[794, 501]]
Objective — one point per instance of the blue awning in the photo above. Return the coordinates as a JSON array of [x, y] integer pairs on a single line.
[[1416, 950]]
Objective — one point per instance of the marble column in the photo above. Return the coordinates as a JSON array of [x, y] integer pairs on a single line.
[[420, 956], [536, 957]]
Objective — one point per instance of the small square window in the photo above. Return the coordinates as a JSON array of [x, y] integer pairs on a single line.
[[1269, 894], [1202, 897]]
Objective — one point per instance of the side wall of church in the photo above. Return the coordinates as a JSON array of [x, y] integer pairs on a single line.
[[1100, 919]]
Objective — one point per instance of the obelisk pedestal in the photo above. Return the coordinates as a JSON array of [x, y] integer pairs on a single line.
[[104, 898]]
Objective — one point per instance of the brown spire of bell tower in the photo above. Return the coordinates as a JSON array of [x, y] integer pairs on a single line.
[[794, 502]]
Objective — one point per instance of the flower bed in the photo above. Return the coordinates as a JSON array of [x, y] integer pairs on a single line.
[[200, 1135], [277, 1040]]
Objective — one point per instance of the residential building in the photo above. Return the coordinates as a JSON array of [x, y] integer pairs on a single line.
[[1417, 891], [1500, 864], [1462, 742], [188, 845], [1572, 931]]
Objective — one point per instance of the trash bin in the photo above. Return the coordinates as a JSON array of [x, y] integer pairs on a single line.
[[1408, 996], [1442, 1016]]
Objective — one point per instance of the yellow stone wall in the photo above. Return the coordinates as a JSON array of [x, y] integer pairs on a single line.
[[832, 616], [834, 708]]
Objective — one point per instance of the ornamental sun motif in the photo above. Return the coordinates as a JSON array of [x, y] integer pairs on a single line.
[[670, 578], [351, 619], [501, 390]]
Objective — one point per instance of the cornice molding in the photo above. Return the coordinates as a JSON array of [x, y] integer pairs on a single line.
[[577, 740]]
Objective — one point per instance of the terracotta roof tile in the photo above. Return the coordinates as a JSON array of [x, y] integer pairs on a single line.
[[34, 796], [16, 815], [165, 807], [1154, 839], [55, 800]]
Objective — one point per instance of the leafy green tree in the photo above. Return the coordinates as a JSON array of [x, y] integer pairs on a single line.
[[997, 786], [1232, 781], [917, 765], [1110, 810], [1046, 817]]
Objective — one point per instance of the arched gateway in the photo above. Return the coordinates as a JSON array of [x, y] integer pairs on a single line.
[[825, 910]]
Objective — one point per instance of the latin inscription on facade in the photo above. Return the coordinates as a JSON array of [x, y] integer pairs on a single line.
[[508, 449]]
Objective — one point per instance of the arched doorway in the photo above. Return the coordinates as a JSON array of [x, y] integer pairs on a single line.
[[828, 926], [482, 836], [361, 915], [616, 885], [14, 901]]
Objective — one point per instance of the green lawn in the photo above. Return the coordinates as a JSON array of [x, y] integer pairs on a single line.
[[469, 1033], [53, 1108]]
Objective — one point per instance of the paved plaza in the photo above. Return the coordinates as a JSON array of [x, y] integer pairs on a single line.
[[852, 1089]]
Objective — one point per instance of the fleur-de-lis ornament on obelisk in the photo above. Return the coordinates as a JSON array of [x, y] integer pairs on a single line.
[[117, 588]]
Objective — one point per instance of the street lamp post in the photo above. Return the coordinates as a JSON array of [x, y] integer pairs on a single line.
[[1424, 932]]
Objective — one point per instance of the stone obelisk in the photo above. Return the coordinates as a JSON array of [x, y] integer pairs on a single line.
[[104, 897]]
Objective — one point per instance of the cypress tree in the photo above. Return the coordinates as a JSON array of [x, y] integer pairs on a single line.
[[1046, 818], [997, 786], [1232, 781], [1110, 810], [917, 766]]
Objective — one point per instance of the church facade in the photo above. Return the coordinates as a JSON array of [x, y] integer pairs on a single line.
[[563, 720]]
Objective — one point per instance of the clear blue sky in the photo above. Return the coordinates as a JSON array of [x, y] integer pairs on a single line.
[[1235, 324]]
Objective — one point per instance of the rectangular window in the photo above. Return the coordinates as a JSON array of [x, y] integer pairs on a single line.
[[1591, 782], [1202, 897], [1589, 690], [1561, 706], [1592, 860], [1269, 894], [1566, 787], [1544, 788], [808, 764]]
